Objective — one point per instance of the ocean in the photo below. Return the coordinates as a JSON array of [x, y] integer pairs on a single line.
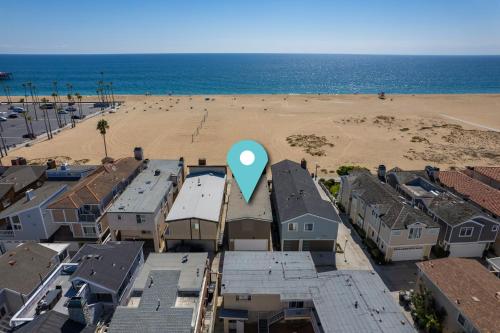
[[190, 74]]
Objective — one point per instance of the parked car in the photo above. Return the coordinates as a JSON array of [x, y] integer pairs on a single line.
[[47, 106], [18, 109], [75, 116], [3, 119], [13, 115], [70, 109], [62, 112]]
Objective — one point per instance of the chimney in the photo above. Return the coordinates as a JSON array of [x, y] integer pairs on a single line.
[[303, 164], [138, 153], [30, 195], [51, 164]]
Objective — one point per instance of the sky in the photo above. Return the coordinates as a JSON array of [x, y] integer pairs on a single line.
[[253, 26]]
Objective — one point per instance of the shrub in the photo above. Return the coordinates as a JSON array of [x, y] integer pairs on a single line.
[[346, 169], [439, 252]]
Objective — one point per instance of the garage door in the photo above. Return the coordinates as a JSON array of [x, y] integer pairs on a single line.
[[467, 250], [250, 244], [407, 253]]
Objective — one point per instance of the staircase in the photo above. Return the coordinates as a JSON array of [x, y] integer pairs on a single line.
[[5, 324], [263, 326], [266, 320]]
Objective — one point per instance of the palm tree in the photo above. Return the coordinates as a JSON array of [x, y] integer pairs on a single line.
[[112, 93], [70, 102], [30, 86], [25, 116], [79, 97], [102, 127], [54, 96], [6, 89], [46, 117]]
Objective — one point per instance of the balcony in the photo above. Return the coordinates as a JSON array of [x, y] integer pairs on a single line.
[[298, 313], [87, 218], [7, 234]]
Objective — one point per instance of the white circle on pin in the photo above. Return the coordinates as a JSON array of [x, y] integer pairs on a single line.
[[247, 157]]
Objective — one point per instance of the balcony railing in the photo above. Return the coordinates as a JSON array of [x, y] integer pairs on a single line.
[[6, 234], [297, 313], [87, 217]]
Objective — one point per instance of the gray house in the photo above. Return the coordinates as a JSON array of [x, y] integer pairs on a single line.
[[306, 222], [248, 225], [28, 219], [465, 230]]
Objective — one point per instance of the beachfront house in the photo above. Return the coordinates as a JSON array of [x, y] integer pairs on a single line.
[[81, 209], [268, 291], [87, 289], [168, 295], [28, 219], [248, 225], [400, 230], [140, 211], [306, 221], [22, 270], [465, 291], [465, 230], [194, 221], [17, 179]]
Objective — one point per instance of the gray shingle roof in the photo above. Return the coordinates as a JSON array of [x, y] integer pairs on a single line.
[[106, 264], [162, 276], [259, 207], [21, 267], [41, 194], [396, 213], [293, 276], [23, 175], [452, 209], [295, 193], [53, 321]]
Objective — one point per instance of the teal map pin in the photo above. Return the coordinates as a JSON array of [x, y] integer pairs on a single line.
[[247, 159]]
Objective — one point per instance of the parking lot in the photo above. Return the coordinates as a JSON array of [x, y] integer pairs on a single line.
[[13, 129]]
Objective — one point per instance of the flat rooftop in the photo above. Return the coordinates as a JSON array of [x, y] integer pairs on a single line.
[[155, 304], [200, 197], [259, 207], [148, 189], [345, 301]]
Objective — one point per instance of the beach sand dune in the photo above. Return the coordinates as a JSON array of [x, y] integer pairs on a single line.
[[403, 130]]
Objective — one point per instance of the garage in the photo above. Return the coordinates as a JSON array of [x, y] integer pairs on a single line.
[[250, 245], [290, 245], [407, 253], [318, 245], [467, 250]]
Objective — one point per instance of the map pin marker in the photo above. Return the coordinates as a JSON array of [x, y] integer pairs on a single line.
[[247, 159]]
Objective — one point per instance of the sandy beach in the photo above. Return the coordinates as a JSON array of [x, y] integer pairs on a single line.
[[408, 131]]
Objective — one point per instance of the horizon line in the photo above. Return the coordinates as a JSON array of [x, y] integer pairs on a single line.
[[250, 53]]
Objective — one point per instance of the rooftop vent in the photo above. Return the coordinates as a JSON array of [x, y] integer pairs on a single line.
[[30, 195]]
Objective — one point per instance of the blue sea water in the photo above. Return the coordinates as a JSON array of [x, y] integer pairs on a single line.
[[255, 73]]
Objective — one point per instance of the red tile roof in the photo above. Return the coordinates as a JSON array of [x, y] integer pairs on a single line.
[[470, 286], [490, 172], [478, 192]]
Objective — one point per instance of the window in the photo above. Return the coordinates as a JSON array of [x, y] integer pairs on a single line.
[[119, 217], [196, 226], [396, 232], [245, 297], [308, 227], [296, 305], [415, 233], [466, 231], [16, 223], [89, 231], [140, 219], [461, 320], [292, 227], [494, 228]]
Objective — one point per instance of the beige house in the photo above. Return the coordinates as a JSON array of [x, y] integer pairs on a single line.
[[82, 208], [195, 218], [401, 231], [265, 290], [466, 290], [248, 225], [139, 213]]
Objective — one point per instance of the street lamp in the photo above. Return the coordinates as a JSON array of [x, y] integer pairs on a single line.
[[345, 248]]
